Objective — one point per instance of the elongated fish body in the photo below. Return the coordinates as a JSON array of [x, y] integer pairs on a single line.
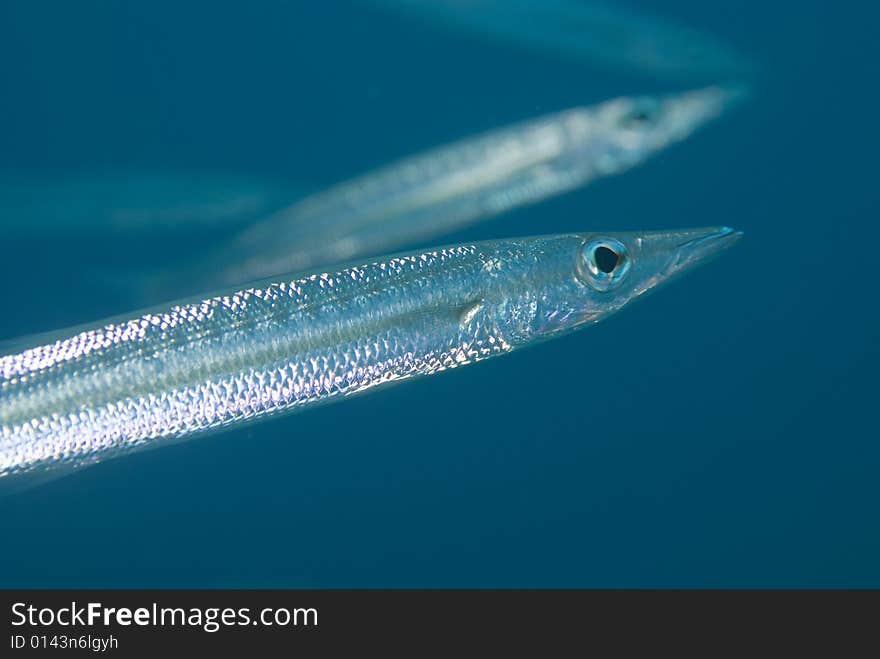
[[167, 374], [138, 203], [445, 189], [607, 35]]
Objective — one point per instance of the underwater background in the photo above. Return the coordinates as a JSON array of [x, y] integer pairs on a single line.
[[723, 432]]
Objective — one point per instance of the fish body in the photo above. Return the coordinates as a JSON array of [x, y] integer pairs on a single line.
[[451, 187], [603, 34], [172, 373]]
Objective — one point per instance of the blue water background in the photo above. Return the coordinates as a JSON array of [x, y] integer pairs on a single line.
[[721, 433]]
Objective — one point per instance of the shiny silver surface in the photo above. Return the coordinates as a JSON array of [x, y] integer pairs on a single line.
[[158, 376]]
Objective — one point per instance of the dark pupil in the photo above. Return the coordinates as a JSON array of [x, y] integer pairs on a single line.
[[606, 259], [639, 116]]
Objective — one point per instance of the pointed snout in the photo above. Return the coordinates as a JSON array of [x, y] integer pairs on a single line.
[[716, 99], [690, 110], [668, 254], [696, 246]]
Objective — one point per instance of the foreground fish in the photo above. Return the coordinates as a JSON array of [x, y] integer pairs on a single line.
[[439, 191], [126, 203], [165, 375], [605, 34]]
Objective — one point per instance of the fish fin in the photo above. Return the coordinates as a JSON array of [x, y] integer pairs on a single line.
[[469, 310], [459, 314]]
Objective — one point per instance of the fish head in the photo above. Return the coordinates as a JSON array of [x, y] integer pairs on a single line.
[[628, 130], [597, 274]]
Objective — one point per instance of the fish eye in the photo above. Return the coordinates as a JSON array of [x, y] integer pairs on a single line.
[[640, 114], [603, 263], [606, 259]]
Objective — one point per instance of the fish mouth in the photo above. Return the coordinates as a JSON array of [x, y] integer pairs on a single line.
[[718, 98], [690, 110], [676, 252], [697, 246]]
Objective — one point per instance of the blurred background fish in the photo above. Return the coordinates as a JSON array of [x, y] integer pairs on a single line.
[[137, 203], [430, 195], [606, 35]]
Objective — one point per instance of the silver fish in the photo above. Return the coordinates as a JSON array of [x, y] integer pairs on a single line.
[[607, 35], [448, 188], [172, 373]]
